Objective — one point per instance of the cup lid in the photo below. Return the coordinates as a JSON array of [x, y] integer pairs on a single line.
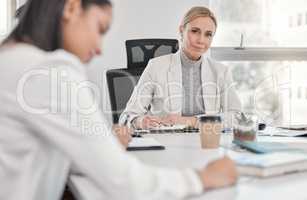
[[210, 118]]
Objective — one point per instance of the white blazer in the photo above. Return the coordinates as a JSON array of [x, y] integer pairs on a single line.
[[160, 88]]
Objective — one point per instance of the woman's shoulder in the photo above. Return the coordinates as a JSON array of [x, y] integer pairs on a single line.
[[33, 56], [67, 64], [162, 59], [217, 66], [160, 64], [65, 58]]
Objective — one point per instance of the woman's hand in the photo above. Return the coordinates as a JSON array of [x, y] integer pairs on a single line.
[[173, 119], [219, 173], [148, 122], [123, 134]]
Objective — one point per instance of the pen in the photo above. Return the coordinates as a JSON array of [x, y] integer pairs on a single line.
[[163, 124], [134, 134]]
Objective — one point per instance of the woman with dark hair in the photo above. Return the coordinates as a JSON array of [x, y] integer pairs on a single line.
[[51, 127]]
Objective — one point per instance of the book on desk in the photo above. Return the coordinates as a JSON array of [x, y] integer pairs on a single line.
[[272, 164]]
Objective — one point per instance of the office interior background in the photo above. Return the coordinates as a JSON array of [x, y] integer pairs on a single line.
[[263, 41]]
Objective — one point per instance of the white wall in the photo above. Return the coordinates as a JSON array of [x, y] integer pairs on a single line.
[[136, 19]]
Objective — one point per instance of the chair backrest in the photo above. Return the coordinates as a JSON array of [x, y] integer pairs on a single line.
[[121, 83], [140, 51]]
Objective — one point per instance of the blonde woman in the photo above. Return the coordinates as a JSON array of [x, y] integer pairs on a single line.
[[175, 88]]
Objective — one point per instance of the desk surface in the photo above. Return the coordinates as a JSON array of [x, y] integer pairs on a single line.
[[183, 150]]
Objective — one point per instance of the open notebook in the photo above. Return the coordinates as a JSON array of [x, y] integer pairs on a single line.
[[164, 128], [168, 129], [272, 164]]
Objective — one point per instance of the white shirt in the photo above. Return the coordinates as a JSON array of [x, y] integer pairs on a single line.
[[52, 131]]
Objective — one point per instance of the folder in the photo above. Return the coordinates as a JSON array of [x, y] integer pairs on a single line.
[[265, 147]]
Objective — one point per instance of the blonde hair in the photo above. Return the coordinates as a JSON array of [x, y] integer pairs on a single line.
[[198, 11]]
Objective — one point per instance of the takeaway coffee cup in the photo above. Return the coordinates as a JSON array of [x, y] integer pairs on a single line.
[[210, 128]]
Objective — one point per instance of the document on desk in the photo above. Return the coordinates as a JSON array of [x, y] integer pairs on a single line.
[[274, 131], [144, 143], [166, 129], [177, 128]]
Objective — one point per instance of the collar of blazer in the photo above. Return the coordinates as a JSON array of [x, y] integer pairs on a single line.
[[209, 84]]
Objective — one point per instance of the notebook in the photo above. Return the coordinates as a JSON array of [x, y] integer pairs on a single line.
[[144, 143], [167, 129], [272, 164]]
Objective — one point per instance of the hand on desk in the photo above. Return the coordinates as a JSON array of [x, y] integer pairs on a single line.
[[148, 121], [178, 119], [123, 134], [219, 173]]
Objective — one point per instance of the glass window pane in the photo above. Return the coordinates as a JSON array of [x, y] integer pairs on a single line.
[[275, 90], [262, 22], [3, 18]]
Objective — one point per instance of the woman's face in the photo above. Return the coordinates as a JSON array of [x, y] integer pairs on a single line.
[[83, 29], [197, 36]]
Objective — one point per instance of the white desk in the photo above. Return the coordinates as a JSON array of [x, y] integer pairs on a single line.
[[183, 150]]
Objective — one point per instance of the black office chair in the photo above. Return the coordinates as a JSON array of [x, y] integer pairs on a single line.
[[140, 51], [121, 83]]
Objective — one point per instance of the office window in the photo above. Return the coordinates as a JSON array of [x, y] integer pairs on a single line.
[[262, 22], [290, 21], [7, 10], [299, 19], [275, 90], [3, 18], [271, 82], [269, 69]]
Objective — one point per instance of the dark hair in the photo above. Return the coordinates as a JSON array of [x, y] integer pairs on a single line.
[[40, 22], [19, 11]]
